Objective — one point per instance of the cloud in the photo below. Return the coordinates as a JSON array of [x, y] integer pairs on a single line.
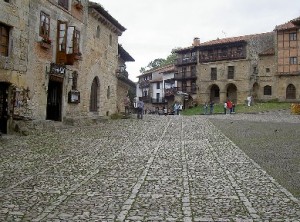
[[155, 27]]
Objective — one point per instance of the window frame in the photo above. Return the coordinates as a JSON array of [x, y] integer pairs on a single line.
[[213, 73], [293, 60], [230, 72], [293, 36], [267, 90], [45, 25], [4, 40]]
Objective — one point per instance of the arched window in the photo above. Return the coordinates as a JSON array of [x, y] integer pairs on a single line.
[[290, 92], [94, 95], [98, 32], [268, 90]]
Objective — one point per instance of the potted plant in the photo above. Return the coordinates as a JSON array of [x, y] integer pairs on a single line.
[[46, 42]]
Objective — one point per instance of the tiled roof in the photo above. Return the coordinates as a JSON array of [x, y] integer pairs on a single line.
[[167, 68], [233, 39], [124, 54], [270, 51], [105, 13], [225, 41], [288, 25]]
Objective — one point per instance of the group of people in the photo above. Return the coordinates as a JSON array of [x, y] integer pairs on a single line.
[[229, 107], [211, 105]]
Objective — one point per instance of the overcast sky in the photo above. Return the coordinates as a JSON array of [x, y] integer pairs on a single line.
[[155, 27]]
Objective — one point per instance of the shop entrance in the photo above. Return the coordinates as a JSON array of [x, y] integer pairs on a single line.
[[54, 101]]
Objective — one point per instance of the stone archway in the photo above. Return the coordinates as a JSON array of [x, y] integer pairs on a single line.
[[231, 92], [215, 93]]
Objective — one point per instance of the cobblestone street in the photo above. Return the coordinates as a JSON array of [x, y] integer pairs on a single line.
[[161, 168]]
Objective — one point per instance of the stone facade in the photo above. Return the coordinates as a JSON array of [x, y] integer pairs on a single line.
[[61, 61], [288, 60]]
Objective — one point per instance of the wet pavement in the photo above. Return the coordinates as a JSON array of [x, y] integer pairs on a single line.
[[161, 168]]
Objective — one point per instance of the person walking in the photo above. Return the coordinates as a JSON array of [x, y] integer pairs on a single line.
[[229, 106], [211, 107], [205, 108], [225, 108], [140, 109]]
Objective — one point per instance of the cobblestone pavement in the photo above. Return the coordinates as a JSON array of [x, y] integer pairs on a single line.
[[161, 168]]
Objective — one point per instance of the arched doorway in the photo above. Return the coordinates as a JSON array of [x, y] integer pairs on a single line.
[[94, 95], [290, 92], [215, 93], [232, 92]]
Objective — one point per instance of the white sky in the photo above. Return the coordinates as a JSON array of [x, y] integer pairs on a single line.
[[155, 27]]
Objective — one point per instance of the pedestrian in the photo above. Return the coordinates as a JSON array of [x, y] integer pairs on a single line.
[[205, 108], [211, 107], [176, 108], [165, 111], [225, 107], [229, 106], [233, 107], [140, 109], [180, 107], [249, 100], [127, 105]]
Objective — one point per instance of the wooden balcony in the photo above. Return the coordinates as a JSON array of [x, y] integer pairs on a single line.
[[186, 61], [144, 84], [187, 89], [185, 75]]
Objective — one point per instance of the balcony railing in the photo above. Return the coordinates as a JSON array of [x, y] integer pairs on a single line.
[[187, 89], [158, 100], [145, 99], [223, 56], [186, 60], [170, 92], [185, 75], [144, 84]]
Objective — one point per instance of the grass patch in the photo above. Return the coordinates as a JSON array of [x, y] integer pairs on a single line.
[[241, 108]]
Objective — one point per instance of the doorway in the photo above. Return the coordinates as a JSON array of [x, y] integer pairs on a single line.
[[3, 107], [54, 101]]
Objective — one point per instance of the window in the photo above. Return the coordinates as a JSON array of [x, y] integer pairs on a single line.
[[4, 40], [293, 36], [291, 92], [158, 85], [98, 32], [268, 90], [6, 1], [68, 43], [293, 60], [44, 25], [230, 72], [64, 3], [145, 93], [267, 69], [213, 73], [73, 40]]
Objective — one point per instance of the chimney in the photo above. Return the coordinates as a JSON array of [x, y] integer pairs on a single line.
[[196, 41]]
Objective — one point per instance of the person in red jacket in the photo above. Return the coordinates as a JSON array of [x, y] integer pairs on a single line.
[[229, 106]]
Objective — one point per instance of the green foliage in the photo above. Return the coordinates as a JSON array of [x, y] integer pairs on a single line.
[[240, 108], [156, 63]]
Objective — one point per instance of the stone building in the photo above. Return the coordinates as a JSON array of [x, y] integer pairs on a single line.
[[58, 62], [157, 88], [126, 89], [220, 69], [287, 53]]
